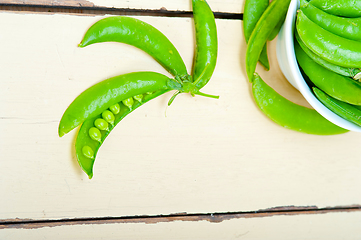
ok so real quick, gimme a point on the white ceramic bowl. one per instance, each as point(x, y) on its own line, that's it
point(288, 64)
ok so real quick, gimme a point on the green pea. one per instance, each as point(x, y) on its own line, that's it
point(95, 134)
point(88, 152)
point(108, 116)
point(128, 102)
point(139, 34)
point(139, 97)
point(349, 112)
point(340, 87)
point(270, 19)
point(253, 10)
point(348, 72)
point(344, 8)
point(115, 108)
point(331, 47)
point(345, 27)
point(288, 114)
point(101, 124)
point(206, 43)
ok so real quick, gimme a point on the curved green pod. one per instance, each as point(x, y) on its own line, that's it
point(333, 48)
point(344, 8)
point(272, 16)
point(253, 10)
point(349, 28)
point(83, 140)
point(344, 110)
point(338, 86)
point(102, 95)
point(141, 35)
point(288, 114)
point(347, 72)
point(205, 57)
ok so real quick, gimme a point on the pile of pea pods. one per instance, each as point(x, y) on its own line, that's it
point(328, 49)
point(262, 21)
point(101, 107)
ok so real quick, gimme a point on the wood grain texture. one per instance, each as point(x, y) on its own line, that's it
point(198, 156)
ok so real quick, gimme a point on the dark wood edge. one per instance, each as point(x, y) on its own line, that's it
point(210, 217)
point(95, 10)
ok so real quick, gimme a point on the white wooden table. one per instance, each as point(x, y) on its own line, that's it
point(199, 169)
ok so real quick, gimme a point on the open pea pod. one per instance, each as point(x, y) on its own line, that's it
point(87, 145)
point(102, 95)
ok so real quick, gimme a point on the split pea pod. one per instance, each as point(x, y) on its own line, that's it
point(253, 10)
point(288, 114)
point(206, 43)
point(86, 147)
point(141, 35)
point(345, 8)
point(335, 49)
point(336, 85)
point(349, 28)
point(344, 110)
point(263, 29)
point(348, 72)
point(102, 95)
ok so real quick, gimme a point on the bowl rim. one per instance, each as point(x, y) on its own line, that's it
point(293, 74)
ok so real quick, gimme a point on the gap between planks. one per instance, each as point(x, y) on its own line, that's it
point(210, 217)
point(94, 10)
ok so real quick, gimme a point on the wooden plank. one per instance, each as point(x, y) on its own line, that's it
point(231, 6)
point(200, 155)
point(331, 226)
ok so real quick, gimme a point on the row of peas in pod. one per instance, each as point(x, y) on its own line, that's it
point(104, 123)
point(328, 50)
point(98, 109)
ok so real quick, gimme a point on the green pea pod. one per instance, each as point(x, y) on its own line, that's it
point(335, 49)
point(338, 86)
point(100, 96)
point(344, 110)
point(206, 43)
point(84, 141)
point(275, 13)
point(141, 35)
point(344, 8)
point(347, 72)
point(349, 28)
point(253, 10)
point(288, 114)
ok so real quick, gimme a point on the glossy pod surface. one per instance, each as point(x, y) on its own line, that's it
point(333, 48)
point(275, 13)
point(288, 114)
point(141, 35)
point(337, 86)
point(347, 72)
point(344, 110)
point(253, 10)
point(206, 43)
point(100, 96)
point(349, 28)
point(344, 8)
